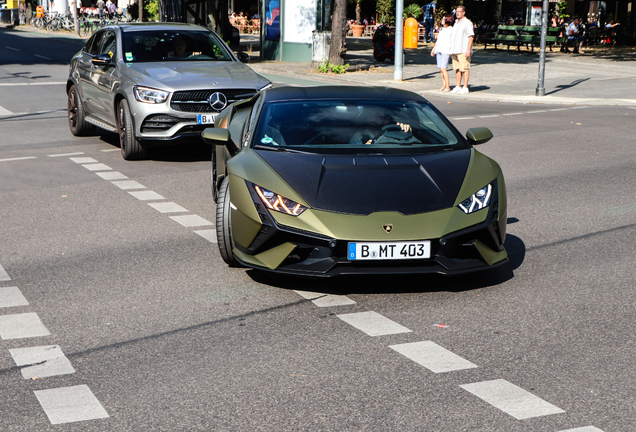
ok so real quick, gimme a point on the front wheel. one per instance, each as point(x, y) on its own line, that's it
point(131, 148)
point(224, 225)
point(76, 116)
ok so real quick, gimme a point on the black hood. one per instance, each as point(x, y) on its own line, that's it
point(364, 184)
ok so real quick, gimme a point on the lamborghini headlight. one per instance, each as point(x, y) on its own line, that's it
point(150, 95)
point(477, 201)
point(279, 203)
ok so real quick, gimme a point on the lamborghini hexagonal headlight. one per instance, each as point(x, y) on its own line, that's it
point(477, 201)
point(279, 203)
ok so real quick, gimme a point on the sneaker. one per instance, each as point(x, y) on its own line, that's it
point(463, 90)
point(456, 90)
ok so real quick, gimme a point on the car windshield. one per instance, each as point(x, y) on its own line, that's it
point(360, 126)
point(173, 45)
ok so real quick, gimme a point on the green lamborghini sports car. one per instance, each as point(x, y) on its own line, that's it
point(325, 181)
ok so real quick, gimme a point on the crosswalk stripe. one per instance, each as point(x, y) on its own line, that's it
point(373, 324)
point(167, 207)
point(511, 399)
point(433, 357)
point(4, 276)
point(111, 175)
point(583, 429)
point(46, 361)
point(128, 184)
point(70, 404)
point(83, 160)
point(97, 167)
point(332, 300)
point(146, 195)
point(190, 220)
point(19, 326)
point(209, 235)
point(12, 297)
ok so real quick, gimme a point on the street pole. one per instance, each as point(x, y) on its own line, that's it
point(544, 33)
point(399, 40)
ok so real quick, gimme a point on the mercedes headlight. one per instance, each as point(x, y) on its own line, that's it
point(150, 95)
point(477, 201)
point(279, 203)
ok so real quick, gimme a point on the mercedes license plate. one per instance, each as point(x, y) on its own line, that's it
point(389, 250)
point(206, 118)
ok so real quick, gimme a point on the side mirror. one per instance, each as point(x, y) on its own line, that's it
point(243, 56)
point(102, 60)
point(216, 136)
point(478, 135)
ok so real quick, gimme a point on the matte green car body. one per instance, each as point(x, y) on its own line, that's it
point(242, 166)
point(246, 223)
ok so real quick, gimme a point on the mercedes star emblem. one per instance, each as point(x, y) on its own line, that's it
point(217, 100)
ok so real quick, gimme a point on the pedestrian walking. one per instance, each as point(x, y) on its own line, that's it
point(442, 49)
point(462, 49)
point(429, 21)
point(100, 6)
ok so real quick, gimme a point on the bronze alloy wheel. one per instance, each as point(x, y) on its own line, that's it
point(76, 121)
point(131, 148)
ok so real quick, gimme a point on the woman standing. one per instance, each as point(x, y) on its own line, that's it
point(442, 49)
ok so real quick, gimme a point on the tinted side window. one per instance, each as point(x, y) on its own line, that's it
point(92, 47)
point(109, 45)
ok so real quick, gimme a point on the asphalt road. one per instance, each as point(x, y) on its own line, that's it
point(161, 335)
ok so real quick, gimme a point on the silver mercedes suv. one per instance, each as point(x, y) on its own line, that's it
point(155, 83)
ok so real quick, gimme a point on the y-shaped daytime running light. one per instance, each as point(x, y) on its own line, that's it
point(279, 203)
point(477, 201)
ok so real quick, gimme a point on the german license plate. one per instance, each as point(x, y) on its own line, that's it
point(389, 250)
point(206, 118)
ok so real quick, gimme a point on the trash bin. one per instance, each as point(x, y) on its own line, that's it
point(320, 41)
point(411, 27)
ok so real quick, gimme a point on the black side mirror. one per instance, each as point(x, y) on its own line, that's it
point(243, 56)
point(102, 60)
point(478, 135)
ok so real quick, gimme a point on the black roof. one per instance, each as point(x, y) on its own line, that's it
point(340, 92)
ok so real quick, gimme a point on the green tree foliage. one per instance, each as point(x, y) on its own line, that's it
point(152, 8)
point(386, 11)
point(412, 10)
point(559, 10)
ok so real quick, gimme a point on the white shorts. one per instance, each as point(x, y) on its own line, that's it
point(442, 60)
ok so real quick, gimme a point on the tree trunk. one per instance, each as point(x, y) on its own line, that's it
point(338, 49)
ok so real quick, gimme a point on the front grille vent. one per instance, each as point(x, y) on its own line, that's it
point(196, 101)
point(158, 123)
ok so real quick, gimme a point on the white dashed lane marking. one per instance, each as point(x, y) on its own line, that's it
point(18, 159)
point(373, 324)
point(209, 235)
point(433, 357)
point(70, 404)
point(325, 300)
point(511, 399)
point(583, 429)
point(42, 57)
point(110, 150)
point(111, 175)
point(12, 49)
point(67, 154)
point(190, 220)
point(167, 207)
point(128, 184)
point(147, 196)
point(4, 276)
point(83, 160)
point(12, 297)
point(97, 167)
point(46, 360)
point(20, 326)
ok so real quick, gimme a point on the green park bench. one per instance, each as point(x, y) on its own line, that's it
point(518, 35)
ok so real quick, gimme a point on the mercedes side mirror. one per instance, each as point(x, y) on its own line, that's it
point(243, 56)
point(478, 135)
point(102, 60)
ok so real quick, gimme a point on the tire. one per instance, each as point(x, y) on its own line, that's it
point(76, 122)
point(215, 191)
point(131, 148)
point(224, 225)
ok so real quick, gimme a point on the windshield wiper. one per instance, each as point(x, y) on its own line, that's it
point(279, 149)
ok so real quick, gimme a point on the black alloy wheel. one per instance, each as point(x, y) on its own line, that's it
point(131, 148)
point(224, 225)
point(76, 116)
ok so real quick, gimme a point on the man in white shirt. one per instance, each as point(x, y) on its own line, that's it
point(575, 35)
point(462, 49)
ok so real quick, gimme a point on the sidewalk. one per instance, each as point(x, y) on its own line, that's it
point(599, 77)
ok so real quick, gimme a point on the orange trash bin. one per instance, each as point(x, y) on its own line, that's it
point(411, 28)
